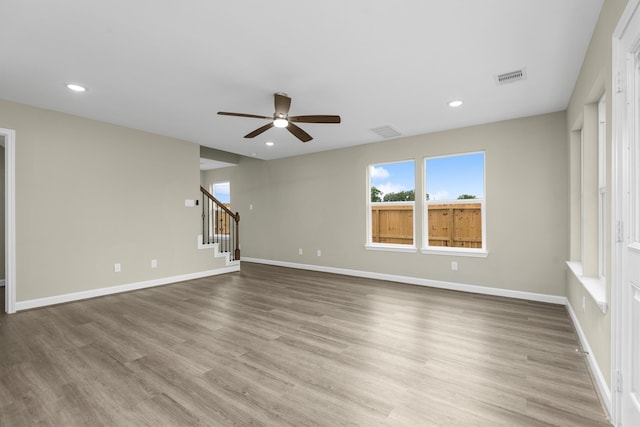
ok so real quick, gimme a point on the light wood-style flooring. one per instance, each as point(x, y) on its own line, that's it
point(282, 347)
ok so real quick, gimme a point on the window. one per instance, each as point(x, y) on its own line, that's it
point(588, 210)
point(602, 186)
point(391, 207)
point(455, 204)
point(222, 192)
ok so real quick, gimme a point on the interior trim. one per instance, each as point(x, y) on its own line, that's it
point(477, 289)
point(76, 296)
point(601, 384)
point(595, 286)
point(10, 218)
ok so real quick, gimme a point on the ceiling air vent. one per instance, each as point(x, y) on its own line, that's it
point(510, 77)
point(386, 131)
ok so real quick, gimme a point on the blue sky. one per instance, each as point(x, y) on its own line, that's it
point(447, 177)
point(222, 191)
point(393, 177)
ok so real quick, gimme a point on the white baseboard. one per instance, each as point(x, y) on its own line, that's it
point(532, 296)
point(59, 299)
point(601, 383)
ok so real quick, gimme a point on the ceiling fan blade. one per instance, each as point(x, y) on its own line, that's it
point(299, 133)
point(282, 103)
point(315, 119)
point(253, 116)
point(259, 130)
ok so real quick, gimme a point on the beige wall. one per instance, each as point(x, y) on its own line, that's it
point(318, 201)
point(594, 80)
point(90, 194)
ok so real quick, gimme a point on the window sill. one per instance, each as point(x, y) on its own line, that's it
point(595, 286)
point(390, 248)
point(477, 253)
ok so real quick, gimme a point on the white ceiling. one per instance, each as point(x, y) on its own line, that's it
point(167, 66)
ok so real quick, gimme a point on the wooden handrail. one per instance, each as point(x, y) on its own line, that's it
point(235, 216)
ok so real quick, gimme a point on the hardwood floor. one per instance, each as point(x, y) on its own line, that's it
point(275, 346)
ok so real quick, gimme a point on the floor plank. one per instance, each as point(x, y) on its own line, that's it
point(272, 346)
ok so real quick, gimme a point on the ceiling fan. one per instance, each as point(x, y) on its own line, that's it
point(281, 119)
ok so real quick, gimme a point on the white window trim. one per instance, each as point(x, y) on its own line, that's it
point(581, 194)
point(602, 187)
point(596, 287)
point(391, 247)
point(594, 284)
point(463, 252)
point(447, 250)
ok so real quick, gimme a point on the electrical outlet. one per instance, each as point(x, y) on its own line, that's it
point(319, 252)
point(117, 267)
point(454, 265)
point(154, 263)
point(300, 251)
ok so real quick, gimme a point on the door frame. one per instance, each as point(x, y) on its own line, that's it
point(619, 175)
point(10, 218)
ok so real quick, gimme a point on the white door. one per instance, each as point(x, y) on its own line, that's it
point(626, 205)
point(630, 250)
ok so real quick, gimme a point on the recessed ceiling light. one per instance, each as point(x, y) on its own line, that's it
point(76, 88)
point(269, 144)
point(455, 104)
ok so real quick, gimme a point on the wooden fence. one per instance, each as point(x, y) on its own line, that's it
point(392, 224)
point(457, 225)
point(450, 224)
point(222, 223)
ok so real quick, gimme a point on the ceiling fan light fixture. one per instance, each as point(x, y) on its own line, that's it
point(280, 123)
point(76, 88)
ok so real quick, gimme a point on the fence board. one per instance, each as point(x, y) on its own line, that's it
point(450, 224)
point(392, 224)
point(221, 226)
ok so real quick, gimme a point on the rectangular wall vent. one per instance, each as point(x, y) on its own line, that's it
point(386, 131)
point(510, 77)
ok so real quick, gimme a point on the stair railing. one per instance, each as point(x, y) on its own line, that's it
point(220, 225)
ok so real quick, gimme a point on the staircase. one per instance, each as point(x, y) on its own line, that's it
point(220, 228)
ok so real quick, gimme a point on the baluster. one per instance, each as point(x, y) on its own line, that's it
point(226, 225)
point(203, 208)
point(208, 221)
point(220, 225)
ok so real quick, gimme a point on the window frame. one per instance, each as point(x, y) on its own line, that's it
point(391, 247)
point(602, 187)
point(590, 268)
point(212, 189)
point(481, 252)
